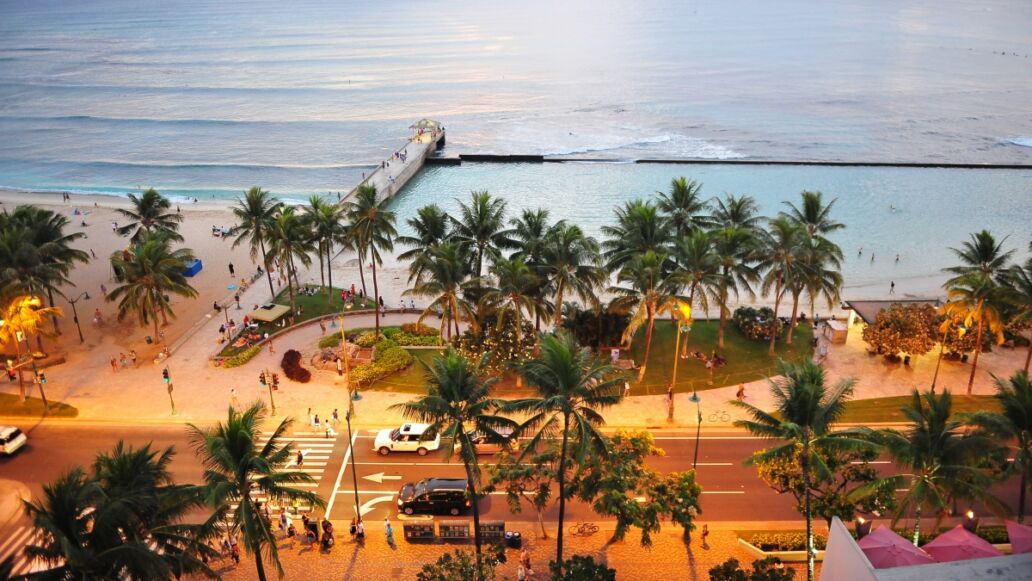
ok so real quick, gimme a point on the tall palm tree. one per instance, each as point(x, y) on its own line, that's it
point(804, 412)
point(290, 239)
point(328, 228)
point(821, 262)
point(480, 229)
point(457, 405)
point(25, 267)
point(256, 216)
point(938, 458)
point(1017, 281)
point(529, 235)
point(429, 228)
point(149, 273)
point(649, 292)
point(813, 214)
point(640, 228)
point(236, 465)
point(515, 292)
point(698, 269)
point(733, 211)
point(445, 281)
point(23, 317)
point(1012, 425)
point(372, 224)
point(570, 262)
point(150, 213)
point(977, 299)
point(779, 260)
point(981, 254)
point(684, 206)
point(572, 386)
point(734, 247)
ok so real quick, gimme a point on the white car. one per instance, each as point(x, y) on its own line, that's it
point(407, 438)
point(11, 438)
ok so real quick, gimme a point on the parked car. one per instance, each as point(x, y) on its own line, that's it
point(407, 438)
point(483, 445)
point(11, 438)
point(435, 495)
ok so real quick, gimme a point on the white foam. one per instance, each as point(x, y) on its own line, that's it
point(1022, 141)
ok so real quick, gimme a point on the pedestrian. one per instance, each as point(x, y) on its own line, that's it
point(525, 560)
point(232, 271)
point(103, 290)
point(897, 259)
point(741, 392)
point(300, 458)
point(381, 301)
point(132, 357)
point(92, 253)
point(236, 298)
point(705, 534)
point(315, 422)
point(114, 364)
point(233, 401)
point(670, 392)
point(626, 388)
point(353, 529)
point(892, 287)
point(322, 326)
point(360, 531)
point(872, 258)
point(335, 418)
point(412, 303)
point(352, 289)
point(311, 416)
point(388, 531)
point(270, 344)
point(123, 361)
point(521, 572)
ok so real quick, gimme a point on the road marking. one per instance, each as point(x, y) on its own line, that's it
point(340, 475)
point(379, 477)
point(348, 491)
point(371, 504)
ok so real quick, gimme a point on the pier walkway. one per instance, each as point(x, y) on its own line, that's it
point(394, 172)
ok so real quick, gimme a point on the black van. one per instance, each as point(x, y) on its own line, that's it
point(435, 495)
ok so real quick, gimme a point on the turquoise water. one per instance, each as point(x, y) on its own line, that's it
point(205, 98)
point(914, 212)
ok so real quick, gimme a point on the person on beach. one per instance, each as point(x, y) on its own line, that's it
point(97, 317)
point(741, 392)
point(103, 290)
point(340, 367)
point(872, 258)
point(132, 357)
point(232, 271)
point(92, 253)
point(892, 287)
point(114, 364)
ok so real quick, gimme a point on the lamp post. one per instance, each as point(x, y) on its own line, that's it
point(354, 472)
point(698, 429)
point(683, 326)
point(17, 336)
point(75, 314)
point(40, 380)
point(166, 376)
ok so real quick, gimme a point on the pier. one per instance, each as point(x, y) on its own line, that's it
point(403, 164)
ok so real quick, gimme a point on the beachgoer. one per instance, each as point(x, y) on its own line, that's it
point(340, 367)
point(92, 253)
point(232, 271)
point(741, 392)
point(897, 258)
point(103, 290)
point(872, 258)
point(300, 458)
point(132, 357)
point(626, 388)
point(335, 418)
point(114, 364)
point(892, 287)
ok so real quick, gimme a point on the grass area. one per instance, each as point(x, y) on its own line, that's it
point(747, 360)
point(413, 378)
point(887, 409)
point(12, 405)
point(312, 306)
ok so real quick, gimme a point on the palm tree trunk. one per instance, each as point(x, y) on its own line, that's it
point(795, 314)
point(648, 343)
point(361, 272)
point(917, 525)
point(322, 271)
point(807, 510)
point(774, 322)
point(290, 288)
point(476, 511)
point(265, 263)
point(1028, 358)
point(53, 318)
point(562, 493)
point(259, 565)
point(376, 299)
point(1021, 496)
point(978, 350)
point(329, 275)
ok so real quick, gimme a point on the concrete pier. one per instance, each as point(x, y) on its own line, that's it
point(403, 164)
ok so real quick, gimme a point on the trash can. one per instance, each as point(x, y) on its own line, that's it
point(513, 539)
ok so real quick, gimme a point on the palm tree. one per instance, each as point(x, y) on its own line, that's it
point(516, 291)
point(640, 228)
point(529, 235)
point(685, 206)
point(458, 404)
point(237, 468)
point(372, 225)
point(445, 280)
point(256, 216)
point(429, 228)
point(779, 260)
point(1012, 425)
point(480, 229)
point(649, 292)
point(150, 213)
point(821, 262)
point(698, 269)
point(940, 460)
point(734, 247)
point(805, 409)
point(325, 220)
point(22, 315)
point(977, 299)
point(736, 212)
point(982, 254)
point(570, 263)
point(573, 386)
point(290, 239)
point(150, 272)
point(813, 214)
point(1018, 284)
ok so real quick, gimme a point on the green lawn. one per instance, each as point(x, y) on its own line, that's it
point(412, 379)
point(314, 306)
point(746, 360)
point(12, 405)
point(887, 409)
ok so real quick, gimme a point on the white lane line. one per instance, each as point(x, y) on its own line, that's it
point(340, 475)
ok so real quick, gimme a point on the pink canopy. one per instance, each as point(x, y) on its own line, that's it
point(958, 544)
point(885, 549)
point(1020, 537)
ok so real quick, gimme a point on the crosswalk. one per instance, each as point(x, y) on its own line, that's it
point(13, 544)
point(315, 448)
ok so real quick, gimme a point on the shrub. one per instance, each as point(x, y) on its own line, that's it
point(409, 340)
point(366, 339)
point(242, 357)
point(462, 565)
point(329, 341)
point(785, 540)
point(763, 570)
point(291, 365)
point(757, 324)
point(582, 568)
point(420, 330)
point(390, 359)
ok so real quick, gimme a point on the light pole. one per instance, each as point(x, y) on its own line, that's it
point(698, 409)
point(40, 380)
point(354, 472)
point(683, 326)
point(166, 376)
point(75, 314)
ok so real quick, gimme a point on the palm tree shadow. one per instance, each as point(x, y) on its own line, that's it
point(693, 572)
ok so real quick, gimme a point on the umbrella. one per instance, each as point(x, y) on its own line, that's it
point(1020, 537)
point(425, 124)
point(885, 549)
point(959, 544)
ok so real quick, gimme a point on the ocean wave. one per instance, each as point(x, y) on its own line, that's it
point(1022, 141)
point(679, 146)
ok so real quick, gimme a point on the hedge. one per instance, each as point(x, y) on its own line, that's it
point(420, 329)
point(329, 341)
point(748, 320)
point(390, 359)
point(242, 357)
point(796, 540)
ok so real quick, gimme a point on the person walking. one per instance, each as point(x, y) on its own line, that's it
point(300, 458)
point(132, 357)
point(270, 347)
point(335, 418)
point(525, 560)
point(740, 396)
point(340, 367)
point(114, 364)
point(892, 287)
point(705, 535)
point(626, 388)
point(388, 531)
point(360, 531)
point(232, 271)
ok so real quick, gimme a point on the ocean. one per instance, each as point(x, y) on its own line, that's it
point(204, 99)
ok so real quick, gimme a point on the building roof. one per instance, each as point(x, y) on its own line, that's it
point(868, 310)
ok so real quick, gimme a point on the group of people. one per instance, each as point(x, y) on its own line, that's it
point(122, 361)
point(221, 231)
point(712, 361)
point(329, 425)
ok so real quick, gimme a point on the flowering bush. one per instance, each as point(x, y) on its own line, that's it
point(419, 329)
point(389, 359)
point(757, 324)
point(242, 357)
point(366, 339)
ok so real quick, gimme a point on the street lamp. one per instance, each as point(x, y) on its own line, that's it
point(354, 471)
point(683, 326)
point(698, 429)
point(75, 314)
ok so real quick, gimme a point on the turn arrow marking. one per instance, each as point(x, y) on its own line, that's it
point(379, 477)
point(370, 505)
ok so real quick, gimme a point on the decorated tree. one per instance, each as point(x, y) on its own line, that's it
point(910, 329)
point(503, 343)
point(829, 495)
